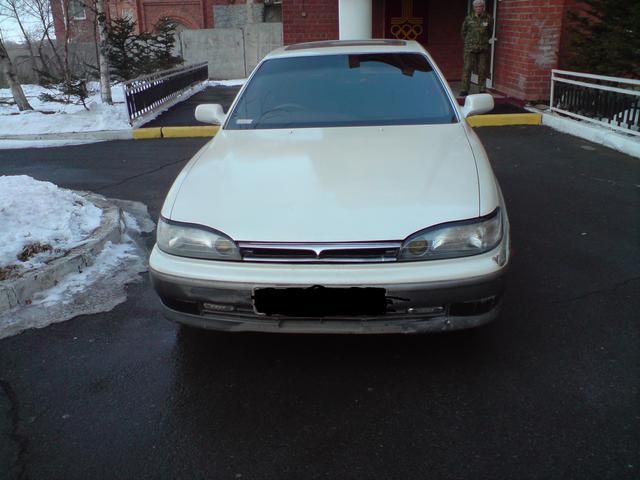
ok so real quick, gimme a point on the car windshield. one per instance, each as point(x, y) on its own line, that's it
point(343, 90)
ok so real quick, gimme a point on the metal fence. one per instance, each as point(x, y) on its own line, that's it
point(151, 92)
point(610, 101)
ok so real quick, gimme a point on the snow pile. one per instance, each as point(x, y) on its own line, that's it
point(97, 288)
point(40, 213)
point(54, 117)
point(227, 83)
point(109, 260)
point(625, 143)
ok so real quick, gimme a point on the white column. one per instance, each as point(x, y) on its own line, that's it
point(354, 19)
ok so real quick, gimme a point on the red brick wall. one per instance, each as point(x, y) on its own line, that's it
point(79, 30)
point(118, 8)
point(309, 20)
point(529, 33)
point(186, 12)
point(191, 13)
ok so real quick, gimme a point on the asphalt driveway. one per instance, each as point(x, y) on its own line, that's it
point(551, 390)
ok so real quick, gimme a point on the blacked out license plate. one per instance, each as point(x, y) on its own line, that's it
point(318, 301)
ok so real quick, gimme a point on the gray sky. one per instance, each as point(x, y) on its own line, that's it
point(10, 29)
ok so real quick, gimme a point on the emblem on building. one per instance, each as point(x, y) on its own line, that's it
point(406, 26)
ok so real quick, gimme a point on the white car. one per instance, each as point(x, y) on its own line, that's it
point(343, 193)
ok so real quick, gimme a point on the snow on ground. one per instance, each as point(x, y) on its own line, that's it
point(39, 212)
point(228, 83)
point(35, 211)
point(54, 117)
point(625, 143)
point(109, 259)
point(18, 144)
point(98, 288)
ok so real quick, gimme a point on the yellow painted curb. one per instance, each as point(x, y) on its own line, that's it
point(144, 133)
point(188, 132)
point(499, 120)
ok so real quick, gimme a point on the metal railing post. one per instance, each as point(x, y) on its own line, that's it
point(551, 104)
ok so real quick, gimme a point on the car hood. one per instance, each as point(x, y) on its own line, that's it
point(329, 184)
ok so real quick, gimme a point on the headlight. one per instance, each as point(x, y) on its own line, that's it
point(459, 239)
point(195, 242)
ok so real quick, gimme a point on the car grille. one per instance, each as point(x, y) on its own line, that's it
point(369, 252)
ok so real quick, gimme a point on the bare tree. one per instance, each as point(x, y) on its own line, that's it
point(15, 10)
point(38, 14)
point(41, 12)
point(103, 47)
point(12, 79)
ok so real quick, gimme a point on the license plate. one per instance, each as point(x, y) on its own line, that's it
point(320, 301)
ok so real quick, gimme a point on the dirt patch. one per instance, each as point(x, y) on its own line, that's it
point(8, 272)
point(33, 249)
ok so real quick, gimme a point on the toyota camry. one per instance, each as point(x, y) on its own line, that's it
point(343, 193)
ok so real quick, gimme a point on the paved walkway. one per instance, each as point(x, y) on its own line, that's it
point(182, 114)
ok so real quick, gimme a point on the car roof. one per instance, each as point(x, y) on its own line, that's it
point(336, 47)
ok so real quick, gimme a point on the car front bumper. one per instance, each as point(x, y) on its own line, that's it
point(421, 296)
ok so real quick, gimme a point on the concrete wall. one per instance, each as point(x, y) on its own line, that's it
point(259, 40)
point(223, 48)
point(236, 16)
point(231, 52)
point(81, 57)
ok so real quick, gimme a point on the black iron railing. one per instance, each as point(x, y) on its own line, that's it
point(152, 92)
point(610, 101)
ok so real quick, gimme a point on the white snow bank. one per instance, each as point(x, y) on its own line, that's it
point(628, 144)
point(40, 211)
point(98, 117)
point(108, 260)
point(19, 144)
point(33, 211)
point(98, 288)
point(228, 83)
point(54, 117)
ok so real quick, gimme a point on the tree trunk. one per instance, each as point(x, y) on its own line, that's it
point(103, 60)
point(12, 80)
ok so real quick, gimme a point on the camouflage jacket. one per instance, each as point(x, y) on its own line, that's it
point(476, 32)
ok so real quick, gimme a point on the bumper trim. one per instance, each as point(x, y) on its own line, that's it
point(341, 326)
point(403, 300)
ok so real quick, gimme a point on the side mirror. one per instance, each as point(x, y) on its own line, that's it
point(210, 113)
point(477, 104)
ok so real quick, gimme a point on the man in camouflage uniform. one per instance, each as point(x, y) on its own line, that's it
point(476, 32)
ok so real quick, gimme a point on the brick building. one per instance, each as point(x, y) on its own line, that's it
point(530, 35)
point(187, 14)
